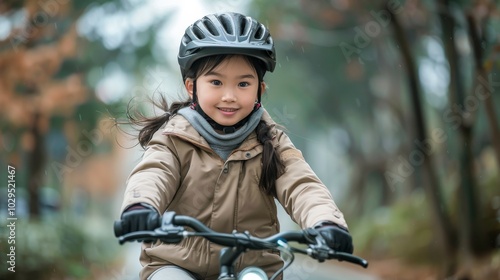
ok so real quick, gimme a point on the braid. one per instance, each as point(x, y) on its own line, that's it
point(272, 166)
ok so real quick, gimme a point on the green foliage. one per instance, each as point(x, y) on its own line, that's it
point(403, 230)
point(60, 247)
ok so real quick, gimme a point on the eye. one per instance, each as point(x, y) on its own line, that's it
point(243, 84)
point(216, 82)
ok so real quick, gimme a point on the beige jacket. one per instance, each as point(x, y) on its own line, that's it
point(180, 172)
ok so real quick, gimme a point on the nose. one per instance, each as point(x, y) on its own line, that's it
point(228, 95)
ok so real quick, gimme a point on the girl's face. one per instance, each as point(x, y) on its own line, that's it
point(227, 94)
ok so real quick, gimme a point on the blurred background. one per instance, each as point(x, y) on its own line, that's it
point(395, 104)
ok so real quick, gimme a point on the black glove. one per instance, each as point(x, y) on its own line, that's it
point(336, 237)
point(138, 217)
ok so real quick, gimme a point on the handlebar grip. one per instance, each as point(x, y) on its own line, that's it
point(350, 258)
point(118, 228)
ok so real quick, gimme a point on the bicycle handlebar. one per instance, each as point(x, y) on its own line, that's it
point(171, 231)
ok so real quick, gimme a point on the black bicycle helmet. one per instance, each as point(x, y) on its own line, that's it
point(226, 33)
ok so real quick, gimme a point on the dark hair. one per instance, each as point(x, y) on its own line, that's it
point(272, 166)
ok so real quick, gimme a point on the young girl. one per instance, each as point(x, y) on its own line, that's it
point(220, 158)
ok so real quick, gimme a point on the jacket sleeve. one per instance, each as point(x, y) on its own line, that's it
point(299, 190)
point(156, 178)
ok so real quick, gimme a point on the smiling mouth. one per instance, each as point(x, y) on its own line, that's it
point(228, 109)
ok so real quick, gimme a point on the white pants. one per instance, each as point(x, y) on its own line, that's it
point(171, 272)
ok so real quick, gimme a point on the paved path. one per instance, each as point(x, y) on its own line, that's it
point(305, 268)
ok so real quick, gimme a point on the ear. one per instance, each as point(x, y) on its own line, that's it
point(263, 88)
point(189, 84)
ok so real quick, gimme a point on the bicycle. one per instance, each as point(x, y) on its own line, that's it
point(172, 230)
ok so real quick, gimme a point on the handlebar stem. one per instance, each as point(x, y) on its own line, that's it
point(227, 258)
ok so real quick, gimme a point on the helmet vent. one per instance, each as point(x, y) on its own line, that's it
point(186, 39)
point(244, 27)
point(259, 33)
point(211, 27)
point(198, 33)
point(227, 24)
point(190, 52)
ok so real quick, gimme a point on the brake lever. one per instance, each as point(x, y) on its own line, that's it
point(319, 250)
point(317, 247)
point(173, 232)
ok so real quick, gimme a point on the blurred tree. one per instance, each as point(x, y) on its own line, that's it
point(380, 70)
point(33, 87)
point(471, 20)
point(59, 61)
point(56, 94)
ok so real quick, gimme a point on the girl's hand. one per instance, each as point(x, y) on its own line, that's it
point(336, 237)
point(139, 217)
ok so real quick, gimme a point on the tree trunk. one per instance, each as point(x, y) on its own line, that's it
point(468, 225)
point(443, 228)
point(484, 92)
point(482, 83)
point(357, 193)
point(36, 160)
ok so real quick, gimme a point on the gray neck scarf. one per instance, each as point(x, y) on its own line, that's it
point(222, 144)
